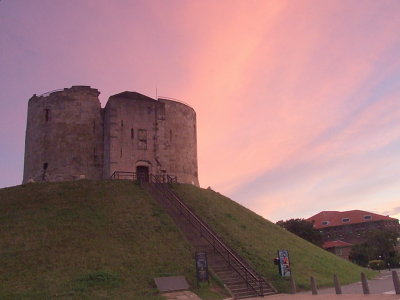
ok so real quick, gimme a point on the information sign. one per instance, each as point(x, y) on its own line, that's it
point(201, 266)
point(284, 263)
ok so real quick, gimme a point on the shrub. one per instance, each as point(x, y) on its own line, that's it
point(377, 264)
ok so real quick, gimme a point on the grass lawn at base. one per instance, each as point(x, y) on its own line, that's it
point(87, 240)
point(258, 240)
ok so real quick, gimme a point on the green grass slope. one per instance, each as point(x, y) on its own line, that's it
point(258, 240)
point(86, 240)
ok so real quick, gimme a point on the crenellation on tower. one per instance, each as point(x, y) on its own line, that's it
point(69, 136)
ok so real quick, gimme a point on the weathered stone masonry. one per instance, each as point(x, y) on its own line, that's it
point(69, 136)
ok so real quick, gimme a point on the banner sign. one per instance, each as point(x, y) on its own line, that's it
point(201, 266)
point(284, 263)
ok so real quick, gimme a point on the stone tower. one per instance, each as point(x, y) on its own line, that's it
point(64, 136)
point(69, 136)
point(154, 136)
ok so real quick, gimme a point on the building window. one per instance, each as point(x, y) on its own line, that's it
point(367, 217)
point(132, 133)
point(47, 114)
point(142, 139)
point(338, 251)
point(45, 166)
point(345, 220)
point(325, 222)
point(122, 123)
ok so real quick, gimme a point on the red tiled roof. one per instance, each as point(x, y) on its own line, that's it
point(335, 218)
point(332, 244)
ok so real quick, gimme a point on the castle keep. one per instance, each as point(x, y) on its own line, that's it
point(69, 136)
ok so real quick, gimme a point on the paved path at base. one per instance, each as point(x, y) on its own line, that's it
point(381, 288)
point(328, 297)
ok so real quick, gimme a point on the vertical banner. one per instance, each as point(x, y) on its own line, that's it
point(201, 266)
point(284, 263)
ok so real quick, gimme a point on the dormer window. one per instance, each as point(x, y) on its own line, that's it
point(368, 217)
point(325, 222)
point(346, 220)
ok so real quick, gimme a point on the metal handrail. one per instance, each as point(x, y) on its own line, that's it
point(124, 175)
point(49, 93)
point(244, 271)
point(175, 100)
point(164, 178)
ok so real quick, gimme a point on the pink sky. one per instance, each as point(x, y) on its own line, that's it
point(298, 102)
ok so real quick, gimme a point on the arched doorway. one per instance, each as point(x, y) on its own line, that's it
point(142, 173)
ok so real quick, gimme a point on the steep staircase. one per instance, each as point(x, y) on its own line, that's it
point(236, 274)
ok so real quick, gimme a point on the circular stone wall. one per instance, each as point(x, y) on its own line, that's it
point(64, 136)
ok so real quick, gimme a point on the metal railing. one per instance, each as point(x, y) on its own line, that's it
point(124, 175)
point(162, 178)
point(49, 93)
point(252, 279)
point(175, 100)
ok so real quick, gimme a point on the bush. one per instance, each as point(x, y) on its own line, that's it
point(394, 260)
point(377, 264)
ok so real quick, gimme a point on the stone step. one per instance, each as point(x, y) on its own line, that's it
point(223, 271)
point(230, 278)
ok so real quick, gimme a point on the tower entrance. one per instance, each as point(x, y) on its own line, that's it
point(142, 173)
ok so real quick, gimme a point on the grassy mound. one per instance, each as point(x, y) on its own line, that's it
point(86, 240)
point(109, 239)
point(258, 240)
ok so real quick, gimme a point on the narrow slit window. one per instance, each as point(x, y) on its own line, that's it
point(121, 153)
point(47, 114)
point(142, 139)
point(132, 133)
point(122, 123)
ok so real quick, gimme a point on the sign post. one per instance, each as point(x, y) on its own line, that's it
point(201, 267)
point(284, 263)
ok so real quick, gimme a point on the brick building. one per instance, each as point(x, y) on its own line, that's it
point(340, 230)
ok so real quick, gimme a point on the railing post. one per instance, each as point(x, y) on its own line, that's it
point(261, 287)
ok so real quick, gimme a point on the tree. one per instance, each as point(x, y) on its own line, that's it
point(359, 254)
point(303, 229)
point(379, 244)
